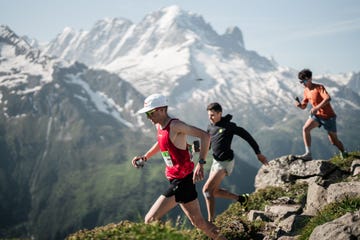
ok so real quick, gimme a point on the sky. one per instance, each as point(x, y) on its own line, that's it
point(323, 35)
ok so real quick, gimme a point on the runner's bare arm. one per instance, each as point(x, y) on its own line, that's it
point(188, 130)
point(323, 103)
point(151, 152)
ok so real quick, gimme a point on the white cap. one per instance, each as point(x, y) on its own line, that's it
point(153, 101)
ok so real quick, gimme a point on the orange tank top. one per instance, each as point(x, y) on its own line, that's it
point(315, 96)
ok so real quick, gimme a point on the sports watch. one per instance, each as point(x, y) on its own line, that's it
point(201, 161)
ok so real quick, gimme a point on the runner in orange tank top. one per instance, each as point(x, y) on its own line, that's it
point(321, 114)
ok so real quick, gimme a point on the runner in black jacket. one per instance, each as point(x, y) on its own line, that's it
point(222, 131)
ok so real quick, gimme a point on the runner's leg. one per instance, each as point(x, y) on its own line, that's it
point(193, 212)
point(212, 189)
point(161, 206)
point(212, 183)
point(308, 126)
point(335, 141)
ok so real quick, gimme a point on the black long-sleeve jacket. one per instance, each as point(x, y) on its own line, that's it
point(222, 134)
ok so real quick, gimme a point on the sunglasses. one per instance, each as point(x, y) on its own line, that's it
point(304, 81)
point(149, 113)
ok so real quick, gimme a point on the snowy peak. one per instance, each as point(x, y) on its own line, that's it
point(108, 30)
point(178, 53)
point(171, 17)
point(171, 10)
point(7, 36)
point(235, 36)
point(22, 67)
point(111, 25)
point(167, 45)
point(186, 26)
point(90, 47)
point(112, 38)
point(66, 37)
point(166, 28)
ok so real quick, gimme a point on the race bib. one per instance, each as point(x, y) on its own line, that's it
point(167, 158)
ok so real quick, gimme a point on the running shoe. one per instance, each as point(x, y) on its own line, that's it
point(344, 154)
point(243, 199)
point(305, 157)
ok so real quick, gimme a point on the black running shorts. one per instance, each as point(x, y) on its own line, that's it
point(183, 189)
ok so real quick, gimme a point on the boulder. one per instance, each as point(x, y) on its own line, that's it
point(259, 215)
point(315, 199)
point(346, 227)
point(293, 223)
point(282, 211)
point(287, 169)
point(338, 191)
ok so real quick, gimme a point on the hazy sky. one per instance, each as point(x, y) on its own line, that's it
point(323, 35)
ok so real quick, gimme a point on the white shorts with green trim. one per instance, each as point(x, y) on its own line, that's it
point(219, 165)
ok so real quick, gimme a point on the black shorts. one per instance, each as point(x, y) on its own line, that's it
point(183, 189)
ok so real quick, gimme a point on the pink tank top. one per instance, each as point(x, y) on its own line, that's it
point(178, 163)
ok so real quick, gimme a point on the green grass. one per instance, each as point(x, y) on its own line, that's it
point(133, 231)
point(345, 164)
point(263, 197)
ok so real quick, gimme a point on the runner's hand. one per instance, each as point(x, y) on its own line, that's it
point(133, 161)
point(314, 110)
point(198, 173)
point(262, 159)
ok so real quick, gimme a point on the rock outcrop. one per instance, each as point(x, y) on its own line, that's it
point(327, 184)
point(345, 227)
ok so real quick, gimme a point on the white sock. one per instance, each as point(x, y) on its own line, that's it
point(307, 150)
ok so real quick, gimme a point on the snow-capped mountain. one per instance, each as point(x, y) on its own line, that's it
point(19, 60)
point(176, 52)
point(91, 46)
point(167, 51)
point(25, 71)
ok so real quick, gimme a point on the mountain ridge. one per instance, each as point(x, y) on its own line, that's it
point(201, 54)
point(169, 31)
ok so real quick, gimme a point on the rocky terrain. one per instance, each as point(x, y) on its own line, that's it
point(326, 183)
point(294, 200)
